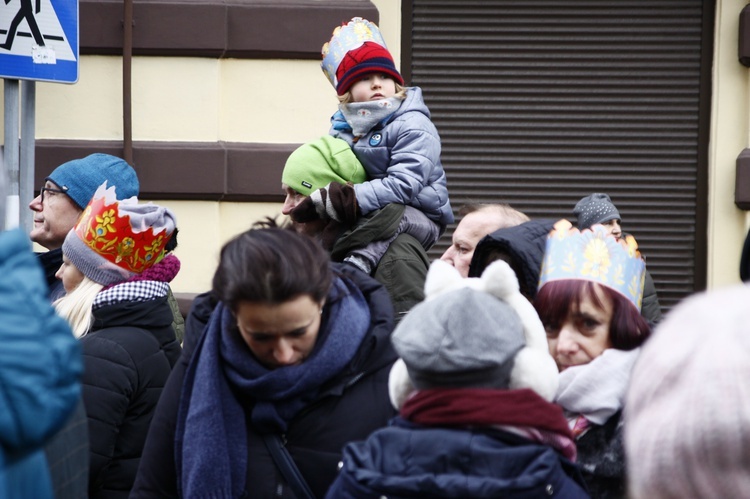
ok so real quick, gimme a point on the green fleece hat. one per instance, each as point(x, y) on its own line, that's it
point(320, 162)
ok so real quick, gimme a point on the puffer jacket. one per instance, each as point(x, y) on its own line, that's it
point(128, 356)
point(408, 460)
point(351, 405)
point(40, 368)
point(402, 159)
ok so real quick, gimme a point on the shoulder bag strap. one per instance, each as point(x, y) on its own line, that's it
point(287, 466)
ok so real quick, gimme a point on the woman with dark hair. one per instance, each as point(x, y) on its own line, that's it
point(292, 365)
point(591, 288)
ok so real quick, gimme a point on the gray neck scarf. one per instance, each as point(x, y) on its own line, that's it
point(363, 116)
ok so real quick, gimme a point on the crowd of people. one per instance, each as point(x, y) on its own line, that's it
point(331, 358)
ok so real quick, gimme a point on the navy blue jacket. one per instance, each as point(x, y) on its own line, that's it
point(407, 460)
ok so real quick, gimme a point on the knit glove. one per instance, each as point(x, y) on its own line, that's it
point(334, 201)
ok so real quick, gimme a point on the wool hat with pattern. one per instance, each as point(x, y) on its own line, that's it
point(595, 208)
point(80, 178)
point(687, 412)
point(370, 57)
point(318, 163)
point(116, 240)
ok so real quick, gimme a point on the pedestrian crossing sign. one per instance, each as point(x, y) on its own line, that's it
point(39, 40)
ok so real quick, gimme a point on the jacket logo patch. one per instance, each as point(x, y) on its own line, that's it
point(375, 139)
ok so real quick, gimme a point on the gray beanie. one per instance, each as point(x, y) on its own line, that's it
point(595, 208)
point(463, 338)
point(115, 240)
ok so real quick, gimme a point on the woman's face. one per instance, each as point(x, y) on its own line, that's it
point(584, 333)
point(69, 275)
point(281, 334)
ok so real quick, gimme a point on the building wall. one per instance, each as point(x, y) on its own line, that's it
point(727, 225)
point(204, 99)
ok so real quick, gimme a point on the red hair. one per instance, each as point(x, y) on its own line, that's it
point(554, 302)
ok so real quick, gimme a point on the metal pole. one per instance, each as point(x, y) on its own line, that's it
point(3, 191)
point(28, 141)
point(11, 150)
point(127, 65)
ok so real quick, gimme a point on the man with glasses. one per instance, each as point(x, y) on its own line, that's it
point(60, 202)
point(62, 198)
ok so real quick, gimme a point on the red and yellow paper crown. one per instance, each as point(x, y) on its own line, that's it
point(594, 255)
point(105, 227)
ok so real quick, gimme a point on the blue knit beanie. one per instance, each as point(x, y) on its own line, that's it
point(80, 178)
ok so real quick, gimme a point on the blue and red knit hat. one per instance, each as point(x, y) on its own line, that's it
point(367, 59)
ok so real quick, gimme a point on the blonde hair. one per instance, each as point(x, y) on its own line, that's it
point(346, 98)
point(75, 307)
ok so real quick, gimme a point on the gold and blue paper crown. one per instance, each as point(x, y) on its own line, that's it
point(345, 38)
point(594, 255)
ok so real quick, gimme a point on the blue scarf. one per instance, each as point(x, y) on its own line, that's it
point(211, 435)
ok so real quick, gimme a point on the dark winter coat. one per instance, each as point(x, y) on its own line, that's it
point(407, 460)
point(524, 244)
point(128, 355)
point(402, 160)
point(51, 262)
point(350, 407)
point(601, 457)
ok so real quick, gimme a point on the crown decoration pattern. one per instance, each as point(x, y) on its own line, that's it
point(112, 236)
point(594, 255)
point(346, 37)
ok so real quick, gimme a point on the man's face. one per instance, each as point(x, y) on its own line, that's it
point(53, 217)
point(293, 198)
point(470, 230)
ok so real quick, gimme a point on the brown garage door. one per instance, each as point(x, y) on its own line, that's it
point(539, 103)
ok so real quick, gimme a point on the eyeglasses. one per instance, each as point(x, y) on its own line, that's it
point(51, 190)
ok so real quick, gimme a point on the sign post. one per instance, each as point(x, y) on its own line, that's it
point(38, 42)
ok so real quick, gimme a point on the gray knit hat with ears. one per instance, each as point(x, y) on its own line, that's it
point(595, 208)
point(461, 339)
point(471, 333)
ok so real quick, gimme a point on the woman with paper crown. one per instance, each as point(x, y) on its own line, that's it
point(116, 303)
point(389, 129)
point(589, 300)
point(293, 365)
point(474, 385)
